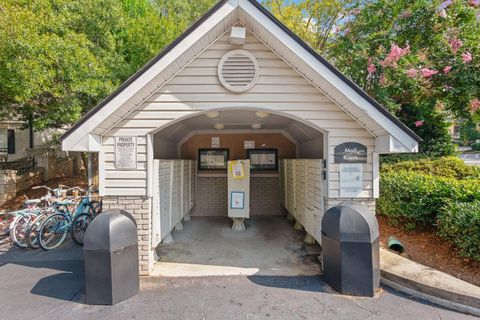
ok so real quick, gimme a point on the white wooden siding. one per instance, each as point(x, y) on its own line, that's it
point(196, 89)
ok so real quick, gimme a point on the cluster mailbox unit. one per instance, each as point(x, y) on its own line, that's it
point(175, 197)
point(302, 193)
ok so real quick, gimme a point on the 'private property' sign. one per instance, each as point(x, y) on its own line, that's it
point(126, 153)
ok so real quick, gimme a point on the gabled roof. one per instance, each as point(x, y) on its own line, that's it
point(225, 7)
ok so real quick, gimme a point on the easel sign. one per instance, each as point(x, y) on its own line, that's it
point(126, 153)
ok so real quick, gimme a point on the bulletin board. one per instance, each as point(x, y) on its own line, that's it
point(263, 159)
point(212, 159)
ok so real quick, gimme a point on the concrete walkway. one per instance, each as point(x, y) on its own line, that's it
point(209, 247)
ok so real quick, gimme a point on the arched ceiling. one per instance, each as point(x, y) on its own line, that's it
point(235, 120)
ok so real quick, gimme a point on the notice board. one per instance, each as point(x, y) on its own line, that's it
point(126, 153)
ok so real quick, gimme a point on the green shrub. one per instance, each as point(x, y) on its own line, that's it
point(476, 146)
point(400, 157)
point(416, 198)
point(448, 167)
point(460, 223)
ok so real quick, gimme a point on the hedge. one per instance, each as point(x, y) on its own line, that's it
point(460, 223)
point(448, 167)
point(417, 198)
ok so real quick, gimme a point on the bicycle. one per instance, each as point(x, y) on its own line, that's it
point(50, 198)
point(18, 229)
point(55, 228)
point(23, 219)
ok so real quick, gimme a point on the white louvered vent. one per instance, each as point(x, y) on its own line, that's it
point(238, 71)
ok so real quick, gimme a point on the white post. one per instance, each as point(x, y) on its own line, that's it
point(90, 169)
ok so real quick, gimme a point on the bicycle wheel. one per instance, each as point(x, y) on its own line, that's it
point(33, 232)
point(79, 226)
point(53, 231)
point(19, 230)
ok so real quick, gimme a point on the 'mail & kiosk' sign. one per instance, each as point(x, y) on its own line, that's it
point(350, 152)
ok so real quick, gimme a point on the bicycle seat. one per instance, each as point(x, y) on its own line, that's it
point(32, 202)
point(65, 203)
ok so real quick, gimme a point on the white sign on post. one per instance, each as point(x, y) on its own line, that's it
point(249, 144)
point(126, 153)
point(351, 180)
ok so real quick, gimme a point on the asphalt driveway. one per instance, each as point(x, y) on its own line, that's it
point(49, 285)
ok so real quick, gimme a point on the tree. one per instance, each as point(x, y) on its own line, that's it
point(48, 69)
point(59, 58)
point(420, 58)
point(313, 21)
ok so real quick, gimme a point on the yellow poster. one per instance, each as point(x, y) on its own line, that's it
point(237, 170)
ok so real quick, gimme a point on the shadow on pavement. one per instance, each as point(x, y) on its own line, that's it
point(313, 283)
point(60, 272)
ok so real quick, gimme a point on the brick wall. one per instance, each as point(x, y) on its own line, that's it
point(12, 182)
point(55, 167)
point(265, 196)
point(212, 196)
point(7, 185)
point(139, 207)
point(27, 180)
point(64, 167)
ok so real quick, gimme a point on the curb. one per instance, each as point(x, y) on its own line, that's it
point(432, 299)
point(426, 283)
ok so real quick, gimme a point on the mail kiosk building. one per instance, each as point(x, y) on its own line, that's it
point(237, 85)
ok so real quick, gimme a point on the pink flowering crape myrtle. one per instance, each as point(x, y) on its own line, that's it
point(475, 105)
point(394, 55)
point(419, 123)
point(467, 57)
point(455, 44)
point(427, 73)
point(412, 72)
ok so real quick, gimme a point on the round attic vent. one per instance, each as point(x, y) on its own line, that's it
point(238, 71)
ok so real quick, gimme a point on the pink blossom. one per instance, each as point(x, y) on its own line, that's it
point(371, 67)
point(419, 123)
point(455, 44)
point(442, 13)
point(412, 72)
point(346, 31)
point(394, 55)
point(474, 3)
point(467, 57)
point(475, 105)
point(447, 69)
point(427, 73)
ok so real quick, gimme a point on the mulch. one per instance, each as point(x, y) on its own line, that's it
point(427, 248)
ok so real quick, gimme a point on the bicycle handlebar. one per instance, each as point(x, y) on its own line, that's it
point(43, 187)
